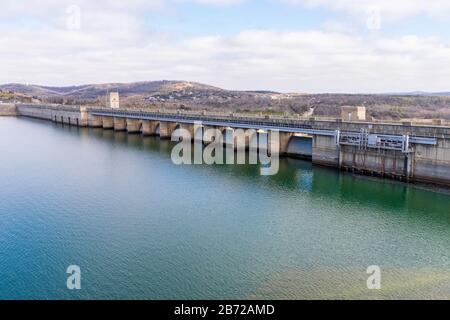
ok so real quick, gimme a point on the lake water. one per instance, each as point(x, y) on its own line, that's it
point(141, 227)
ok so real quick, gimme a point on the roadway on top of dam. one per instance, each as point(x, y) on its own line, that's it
point(245, 123)
point(213, 121)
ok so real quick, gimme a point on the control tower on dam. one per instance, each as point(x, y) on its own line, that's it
point(404, 151)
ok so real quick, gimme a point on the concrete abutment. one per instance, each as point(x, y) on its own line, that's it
point(166, 129)
point(120, 124)
point(149, 127)
point(134, 125)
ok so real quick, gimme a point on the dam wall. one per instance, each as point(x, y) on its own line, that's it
point(432, 163)
point(73, 115)
point(8, 109)
point(400, 151)
point(423, 163)
point(389, 163)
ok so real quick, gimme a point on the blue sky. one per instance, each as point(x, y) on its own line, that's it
point(284, 45)
point(197, 19)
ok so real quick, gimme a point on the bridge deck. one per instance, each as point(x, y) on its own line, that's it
point(247, 123)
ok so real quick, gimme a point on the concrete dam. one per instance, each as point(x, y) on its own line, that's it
point(402, 151)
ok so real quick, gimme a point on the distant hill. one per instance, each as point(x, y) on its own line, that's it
point(421, 93)
point(164, 93)
point(92, 91)
point(186, 95)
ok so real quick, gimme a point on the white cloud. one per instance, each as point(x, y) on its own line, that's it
point(291, 61)
point(213, 2)
point(117, 45)
point(50, 8)
point(391, 10)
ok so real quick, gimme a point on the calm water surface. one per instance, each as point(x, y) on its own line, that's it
point(141, 227)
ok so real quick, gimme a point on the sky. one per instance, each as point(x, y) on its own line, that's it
point(311, 46)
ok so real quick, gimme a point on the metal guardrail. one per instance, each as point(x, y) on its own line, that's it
point(365, 140)
point(59, 107)
point(270, 124)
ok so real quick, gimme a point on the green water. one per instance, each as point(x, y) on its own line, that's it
point(141, 227)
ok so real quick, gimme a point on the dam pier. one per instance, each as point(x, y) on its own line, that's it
point(404, 151)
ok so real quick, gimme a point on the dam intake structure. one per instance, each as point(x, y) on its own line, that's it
point(402, 151)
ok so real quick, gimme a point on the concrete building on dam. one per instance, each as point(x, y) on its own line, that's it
point(114, 100)
point(353, 113)
point(404, 151)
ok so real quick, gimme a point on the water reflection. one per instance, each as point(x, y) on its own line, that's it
point(295, 174)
